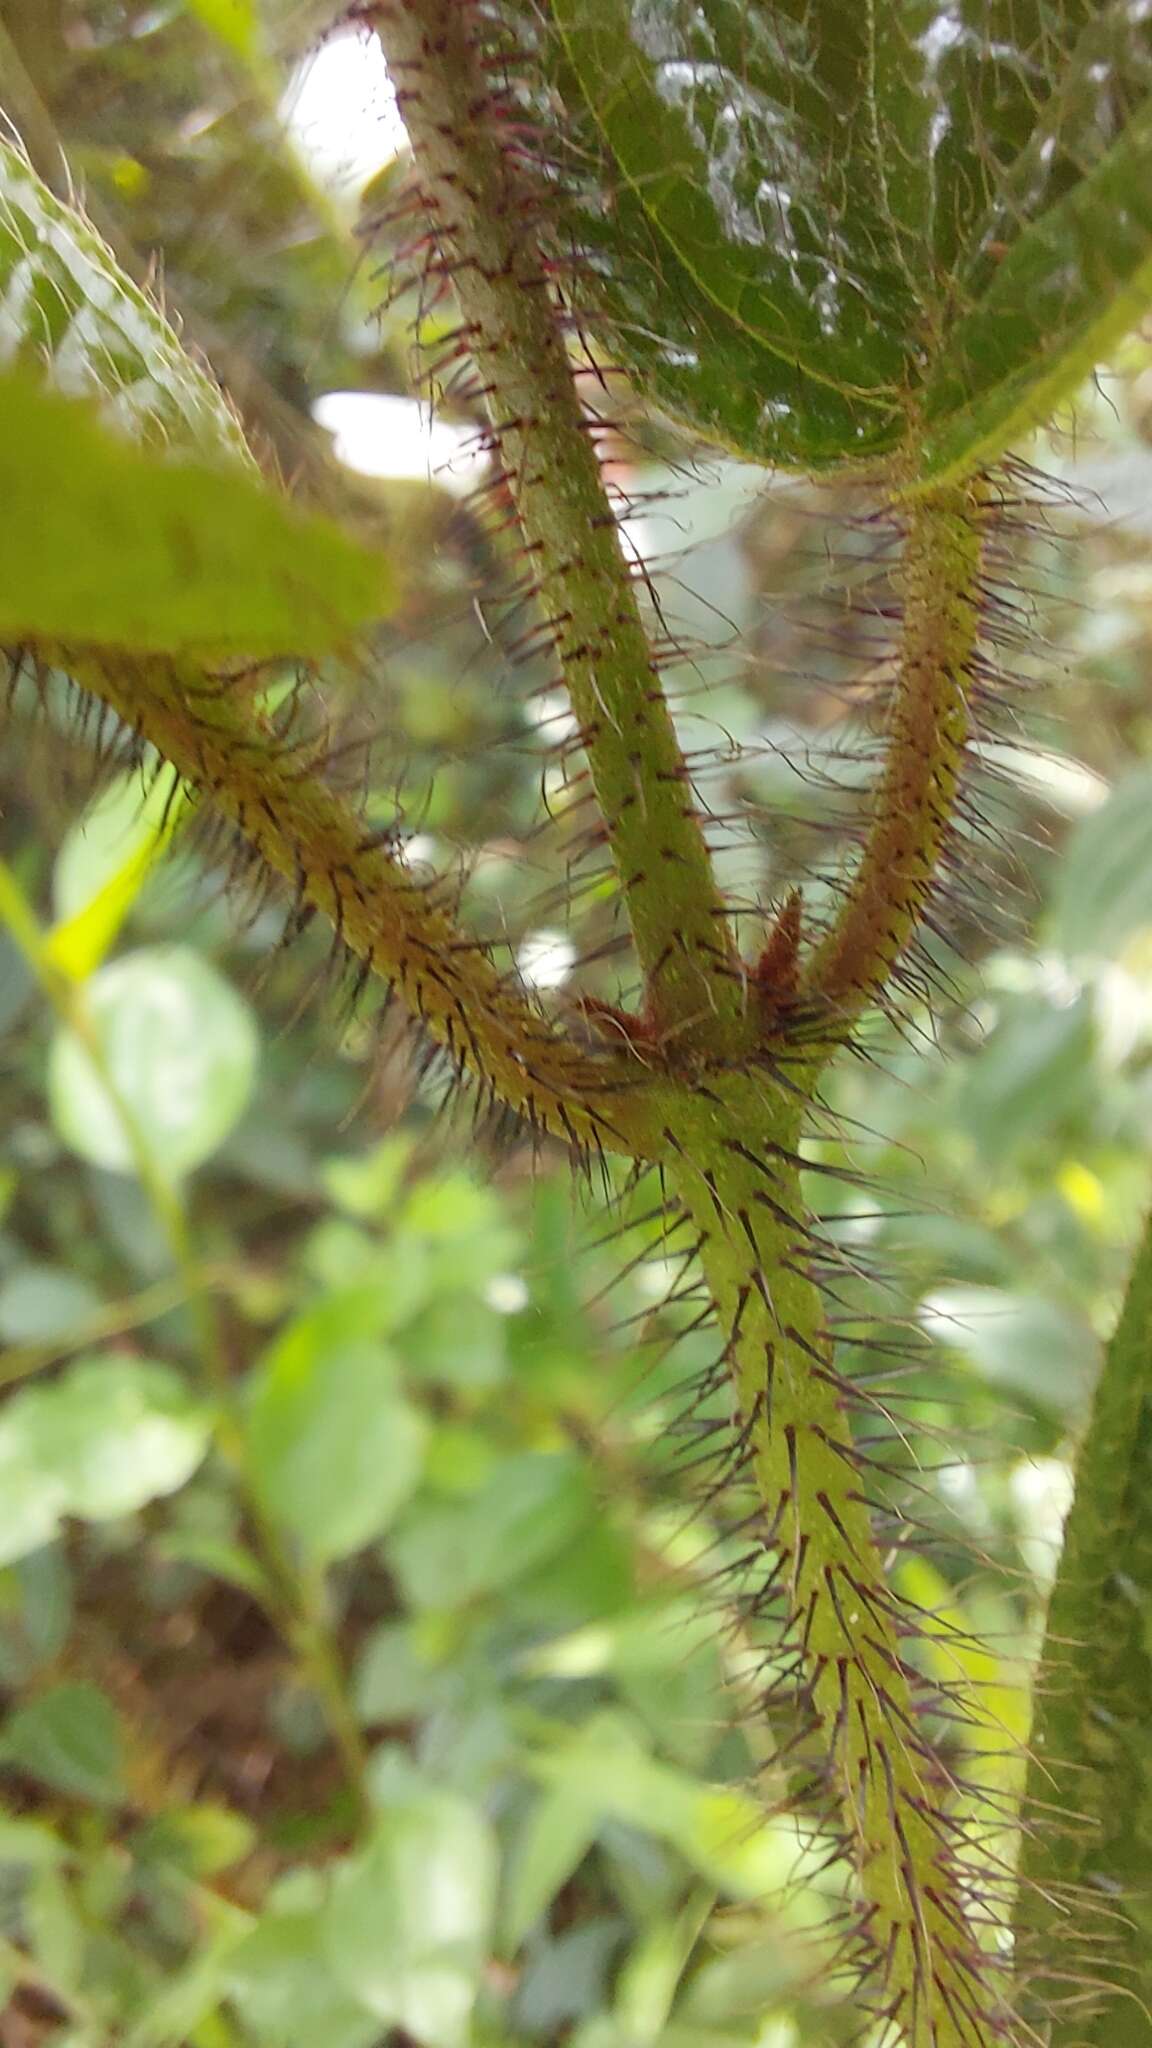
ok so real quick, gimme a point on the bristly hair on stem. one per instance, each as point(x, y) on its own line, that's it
point(726, 1085)
point(714, 1078)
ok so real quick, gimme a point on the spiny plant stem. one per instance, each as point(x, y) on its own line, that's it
point(482, 211)
point(276, 799)
point(737, 1169)
point(939, 587)
point(1083, 1922)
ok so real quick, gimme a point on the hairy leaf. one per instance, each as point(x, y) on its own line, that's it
point(816, 232)
point(67, 307)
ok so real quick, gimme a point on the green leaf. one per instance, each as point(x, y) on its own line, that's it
point(334, 1447)
point(188, 1995)
point(39, 1304)
point(368, 1184)
point(278, 1979)
point(751, 283)
point(221, 1560)
point(104, 863)
point(394, 1680)
point(66, 304)
point(103, 1439)
point(719, 1830)
point(1049, 290)
point(70, 1738)
point(552, 1843)
point(447, 1553)
point(458, 1342)
point(56, 1933)
point(118, 1431)
point(408, 1923)
point(1089, 1784)
point(201, 1840)
point(816, 233)
point(108, 545)
point(180, 1049)
point(1021, 1342)
point(235, 22)
point(1102, 893)
point(26, 1843)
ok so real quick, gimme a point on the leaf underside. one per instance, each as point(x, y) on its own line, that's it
point(817, 234)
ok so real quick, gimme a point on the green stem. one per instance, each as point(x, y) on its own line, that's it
point(737, 1169)
point(928, 726)
point(1084, 1926)
point(483, 212)
point(277, 801)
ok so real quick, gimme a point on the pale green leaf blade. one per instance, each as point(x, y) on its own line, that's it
point(335, 1449)
point(1102, 893)
point(105, 862)
point(69, 1737)
point(179, 1048)
point(235, 22)
point(117, 1432)
point(408, 1923)
point(69, 310)
point(107, 545)
point(102, 1440)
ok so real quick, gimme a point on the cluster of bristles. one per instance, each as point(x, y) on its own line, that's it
point(758, 1550)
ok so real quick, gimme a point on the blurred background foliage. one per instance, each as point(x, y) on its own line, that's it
point(364, 1674)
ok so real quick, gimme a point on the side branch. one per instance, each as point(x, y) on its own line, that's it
point(482, 210)
point(276, 800)
point(928, 732)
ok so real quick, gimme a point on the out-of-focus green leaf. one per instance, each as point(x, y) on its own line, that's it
point(202, 1840)
point(367, 1184)
point(1020, 1342)
point(393, 1680)
point(40, 1303)
point(104, 863)
point(1035, 1073)
point(180, 1049)
point(68, 307)
point(70, 1738)
point(283, 1989)
point(407, 1925)
point(56, 1932)
point(188, 1997)
point(1102, 896)
point(335, 1448)
point(556, 1836)
point(221, 1560)
point(467, 1229)
point(721, 1831)
point(235, 22)
point(458, 1342)
point(382, 1283)
point(448, 1552)
point(108, 545)
point(106, 1437)
point(26, 1843)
